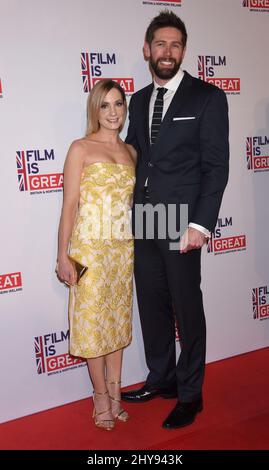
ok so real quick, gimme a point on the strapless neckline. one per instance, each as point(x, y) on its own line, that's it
point(108, 163)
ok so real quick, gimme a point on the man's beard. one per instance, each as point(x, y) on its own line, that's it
point(164, 74)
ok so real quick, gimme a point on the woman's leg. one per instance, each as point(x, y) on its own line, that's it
point(113, 379)
point(102, 407)
point(113, 366)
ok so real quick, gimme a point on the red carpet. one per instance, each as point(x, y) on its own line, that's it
point(235, 416)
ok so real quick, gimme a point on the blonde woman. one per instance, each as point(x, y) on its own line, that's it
point(99, 177)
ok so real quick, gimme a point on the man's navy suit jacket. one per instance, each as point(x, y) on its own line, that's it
point(188, 164)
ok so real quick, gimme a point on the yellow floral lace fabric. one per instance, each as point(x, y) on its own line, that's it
point(100, 306)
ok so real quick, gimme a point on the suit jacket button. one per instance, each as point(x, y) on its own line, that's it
point(150, 164)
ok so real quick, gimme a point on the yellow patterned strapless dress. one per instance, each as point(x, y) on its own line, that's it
point(100, 306)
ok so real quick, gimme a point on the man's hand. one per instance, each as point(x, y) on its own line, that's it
point(192, 239)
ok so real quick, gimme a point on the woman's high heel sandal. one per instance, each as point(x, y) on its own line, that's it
point(107, 424)
point(117, 412)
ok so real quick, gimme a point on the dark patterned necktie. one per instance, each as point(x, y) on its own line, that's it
point(157, 114)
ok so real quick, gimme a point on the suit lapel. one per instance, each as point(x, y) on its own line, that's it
point(145, 114)
point(180, 98)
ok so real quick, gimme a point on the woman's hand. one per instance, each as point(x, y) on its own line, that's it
point(66, 271)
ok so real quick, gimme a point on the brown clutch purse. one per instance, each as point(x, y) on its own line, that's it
point(79, 268)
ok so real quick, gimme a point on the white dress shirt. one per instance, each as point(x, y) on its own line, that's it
point(171, 86)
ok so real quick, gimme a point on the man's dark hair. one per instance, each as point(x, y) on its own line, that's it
point(166, 19)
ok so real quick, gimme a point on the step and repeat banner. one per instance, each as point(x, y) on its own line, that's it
point(51, 54)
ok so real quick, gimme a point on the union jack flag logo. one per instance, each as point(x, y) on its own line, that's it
point(209, 246)
point(201, 67)
point(249, 149)
point(85, 70)
point(21, 170)
point(177, 331)
point(39, 354)
point(255, 303)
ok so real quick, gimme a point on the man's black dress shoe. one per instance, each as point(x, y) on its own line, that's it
point(147, 393)
point(183, 414)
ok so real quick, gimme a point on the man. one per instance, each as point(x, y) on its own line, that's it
point(181, 135)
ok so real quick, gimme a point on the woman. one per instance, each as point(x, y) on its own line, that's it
point(99, 177)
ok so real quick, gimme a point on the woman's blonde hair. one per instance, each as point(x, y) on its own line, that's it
point(95, 99)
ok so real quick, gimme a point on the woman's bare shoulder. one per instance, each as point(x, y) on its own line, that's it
point(76, 154)
point(80, 148)
point(80, 144)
